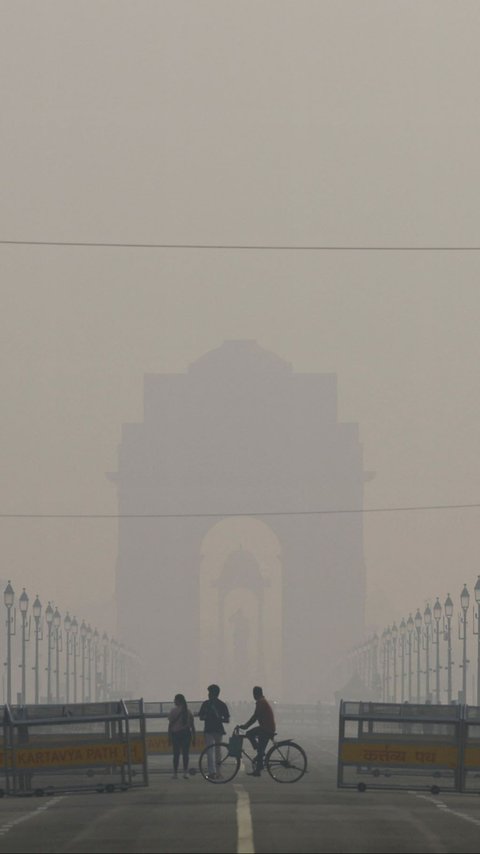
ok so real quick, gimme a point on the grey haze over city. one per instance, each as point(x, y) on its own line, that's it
point(203, 128)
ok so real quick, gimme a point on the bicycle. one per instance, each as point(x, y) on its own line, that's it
point(285, 761)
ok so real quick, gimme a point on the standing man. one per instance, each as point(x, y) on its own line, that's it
point(214, 713)
point(260, 735)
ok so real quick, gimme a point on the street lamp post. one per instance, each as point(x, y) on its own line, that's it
point(113, 667)
point(83, 635)
point(74, 631)
point(49, 621)
point(464, 602)
point(37, 613)
point(96, 637)
point(403, 632)
point(89, 661)
point(448, 611)
point(67, 625)
point(427, 619)
point(57, 621)
point(476, 591)
point(105, 665)
point(437, 613)
point(123, 668)
point(388, 639)
point(23, 605)
point(375, 673)
point(9, 599)
point(410, 627)
point(394, 641)
point(384, 667)
point(418, 627)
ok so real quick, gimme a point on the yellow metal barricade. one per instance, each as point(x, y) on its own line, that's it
point(400, 745)
point(51, 748)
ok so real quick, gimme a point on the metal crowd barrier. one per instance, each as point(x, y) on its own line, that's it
point(52, 748)
point(409, 746)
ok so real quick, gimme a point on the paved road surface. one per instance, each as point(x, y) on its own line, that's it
point(250, 815)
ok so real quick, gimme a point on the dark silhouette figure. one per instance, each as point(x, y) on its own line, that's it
point(214, 713)
point(260, 735)
point(181, 733)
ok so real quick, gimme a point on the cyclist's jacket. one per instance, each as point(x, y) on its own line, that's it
point(264, 715)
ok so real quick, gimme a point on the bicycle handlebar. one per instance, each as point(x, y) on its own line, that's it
point(236, 730)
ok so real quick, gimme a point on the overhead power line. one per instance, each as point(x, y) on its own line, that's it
point(251, 247)
point(326, 512)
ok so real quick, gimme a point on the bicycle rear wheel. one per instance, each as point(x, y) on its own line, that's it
point(226, 765)
point(286, 762)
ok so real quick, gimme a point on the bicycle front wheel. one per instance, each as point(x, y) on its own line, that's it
point(217, 765)
point(286, 762)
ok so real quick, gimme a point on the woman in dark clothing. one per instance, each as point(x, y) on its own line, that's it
point(181, 733)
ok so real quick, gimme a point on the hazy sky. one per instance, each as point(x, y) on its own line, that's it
point(324, 123)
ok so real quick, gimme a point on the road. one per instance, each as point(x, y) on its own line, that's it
point(249, 815)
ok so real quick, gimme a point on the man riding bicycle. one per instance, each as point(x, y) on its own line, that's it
point(260, 735)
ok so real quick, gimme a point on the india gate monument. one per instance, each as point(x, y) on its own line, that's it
point(231, 567)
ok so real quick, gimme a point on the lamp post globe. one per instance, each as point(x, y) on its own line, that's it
point(23, 602)
point(9, 595)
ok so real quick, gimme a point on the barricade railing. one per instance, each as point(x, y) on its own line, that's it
point(409, 746)
point(51, 748)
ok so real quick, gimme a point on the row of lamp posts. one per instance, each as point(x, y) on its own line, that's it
point(80, 642)
point(408, 640)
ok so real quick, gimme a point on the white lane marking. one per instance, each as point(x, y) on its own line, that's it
point(244, 822)
point(440, 805)
point(5, 828)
